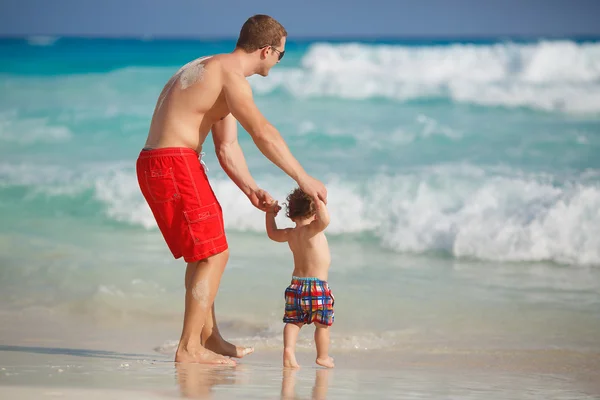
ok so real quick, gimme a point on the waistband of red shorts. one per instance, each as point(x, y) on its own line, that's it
point(168, 151)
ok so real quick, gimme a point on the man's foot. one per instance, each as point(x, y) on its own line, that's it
point(325, 362)
point(223, 347)
point(201, 356)
point(289, 359)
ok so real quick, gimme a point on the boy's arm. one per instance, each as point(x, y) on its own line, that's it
point(274, 233)
point(322, 219)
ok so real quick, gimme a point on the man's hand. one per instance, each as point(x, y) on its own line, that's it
point(314, 188)
point(260, 199)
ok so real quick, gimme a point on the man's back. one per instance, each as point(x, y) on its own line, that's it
point(190, 103)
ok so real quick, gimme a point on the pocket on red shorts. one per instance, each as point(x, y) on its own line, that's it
point(205, 223)
point(160, 183)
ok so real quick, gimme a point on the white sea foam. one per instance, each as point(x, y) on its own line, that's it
point(549, 75)
point(463, 210)
point(31, 130)
point(561, 76)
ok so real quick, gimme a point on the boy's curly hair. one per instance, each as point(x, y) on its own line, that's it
point(299, 205)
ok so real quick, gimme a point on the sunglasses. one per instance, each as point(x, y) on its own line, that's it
point(281, 53)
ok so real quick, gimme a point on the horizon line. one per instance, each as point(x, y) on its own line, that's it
point(307, 37)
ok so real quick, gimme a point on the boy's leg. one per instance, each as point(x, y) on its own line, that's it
point(322, 344)
point(201, 289)
point(290, 335)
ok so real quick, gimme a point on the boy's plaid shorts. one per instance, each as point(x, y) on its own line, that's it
point(308, 300)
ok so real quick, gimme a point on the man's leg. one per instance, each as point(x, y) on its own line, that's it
point(212, 339)
point(202, 280)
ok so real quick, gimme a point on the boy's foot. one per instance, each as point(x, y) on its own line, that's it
point(325, 362)
point(223, 347)
point(202, 356)
point(289, 359)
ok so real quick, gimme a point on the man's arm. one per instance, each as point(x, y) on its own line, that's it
point(238, 95)
point(275, 234)
point(230, 154)
point(233, 162)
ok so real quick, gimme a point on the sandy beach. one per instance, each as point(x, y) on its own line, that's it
point(46, 356)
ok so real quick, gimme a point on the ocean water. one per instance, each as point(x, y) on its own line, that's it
point(463, 179)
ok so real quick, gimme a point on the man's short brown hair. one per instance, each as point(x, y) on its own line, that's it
point(260, 31)
point(300, 205)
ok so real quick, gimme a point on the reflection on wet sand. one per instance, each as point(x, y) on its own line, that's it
point(196, 381)
point(319, 390)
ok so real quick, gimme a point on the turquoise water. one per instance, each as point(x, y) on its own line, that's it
point(463, 179)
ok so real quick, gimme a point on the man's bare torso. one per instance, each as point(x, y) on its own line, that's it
point(190, 103)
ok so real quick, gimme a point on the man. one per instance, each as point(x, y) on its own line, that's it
point(210, 94)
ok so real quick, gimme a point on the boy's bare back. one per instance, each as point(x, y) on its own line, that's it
point(306, 240)
point(311, 251)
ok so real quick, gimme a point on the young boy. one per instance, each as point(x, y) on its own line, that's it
point(308, 299)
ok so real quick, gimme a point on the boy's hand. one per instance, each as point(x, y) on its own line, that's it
point(273, 207)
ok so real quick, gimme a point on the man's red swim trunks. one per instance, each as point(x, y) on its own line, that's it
point(175, 185)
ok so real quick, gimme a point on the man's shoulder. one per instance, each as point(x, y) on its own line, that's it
point(228, 64)
point(233, 78)
point(217, 60)
point(219, 68)
point(209, 62)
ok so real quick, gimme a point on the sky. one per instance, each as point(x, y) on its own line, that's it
point(302, 18)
